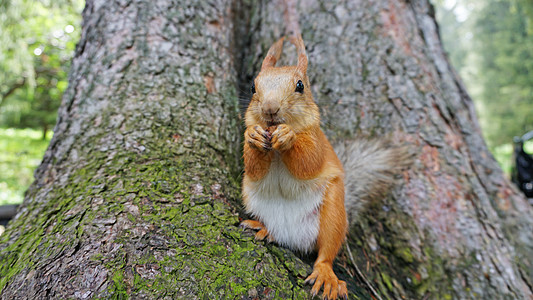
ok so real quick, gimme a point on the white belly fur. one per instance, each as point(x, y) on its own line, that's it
point(287, 206)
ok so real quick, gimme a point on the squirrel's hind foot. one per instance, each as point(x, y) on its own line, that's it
point(256, 225)
point(333, 287)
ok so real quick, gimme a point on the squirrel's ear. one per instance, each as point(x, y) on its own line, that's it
point(273, 54)
point(300, 49)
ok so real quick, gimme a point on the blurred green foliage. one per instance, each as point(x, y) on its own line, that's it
point(37, 41)
point(490, 43)
point(21, 151)
point(505, 42)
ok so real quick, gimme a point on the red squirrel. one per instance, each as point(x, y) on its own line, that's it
point(293, 180)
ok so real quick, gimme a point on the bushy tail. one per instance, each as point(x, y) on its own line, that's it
point(371, 167)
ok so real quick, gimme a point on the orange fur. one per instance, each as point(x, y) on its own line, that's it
point(256, 163)
point(304, 150)
point(332, 232)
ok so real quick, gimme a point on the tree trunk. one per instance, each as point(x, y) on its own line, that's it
point(138, 193)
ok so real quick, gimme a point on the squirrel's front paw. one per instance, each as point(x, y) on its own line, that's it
point(283, 137)
point(258, 138)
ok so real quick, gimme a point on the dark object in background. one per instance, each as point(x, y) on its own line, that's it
point(522, 173)
point(7, 212)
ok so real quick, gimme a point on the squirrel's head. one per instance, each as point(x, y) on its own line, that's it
point(282, 95)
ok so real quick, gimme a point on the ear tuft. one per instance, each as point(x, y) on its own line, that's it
point(273, 55)
point(297, 41)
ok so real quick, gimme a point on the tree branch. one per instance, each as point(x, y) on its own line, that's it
point(12, 89)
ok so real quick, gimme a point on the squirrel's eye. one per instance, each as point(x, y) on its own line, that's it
point(299, 86)
point(253, 87)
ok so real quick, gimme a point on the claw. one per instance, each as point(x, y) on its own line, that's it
point(267, 135)
point(283, 137)
point(258, 138)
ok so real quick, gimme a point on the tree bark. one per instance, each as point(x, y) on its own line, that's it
point(138, 193)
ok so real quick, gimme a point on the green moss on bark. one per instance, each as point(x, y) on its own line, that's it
point(173, 232)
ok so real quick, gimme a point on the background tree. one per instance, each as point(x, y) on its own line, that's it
point(138, 195)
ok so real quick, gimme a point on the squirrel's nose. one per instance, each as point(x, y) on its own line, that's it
point(270, 108)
